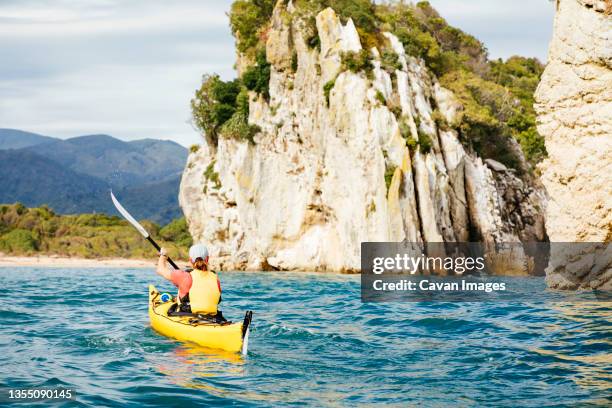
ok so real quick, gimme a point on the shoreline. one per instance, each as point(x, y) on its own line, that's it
point(56, 261)
point(70, 262)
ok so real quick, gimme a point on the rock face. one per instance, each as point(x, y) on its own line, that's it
point(312, 186)
point(574, 104)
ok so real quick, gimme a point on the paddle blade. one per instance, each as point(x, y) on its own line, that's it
point(128, 216)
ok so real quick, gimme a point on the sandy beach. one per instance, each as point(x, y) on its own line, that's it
point(62, 262)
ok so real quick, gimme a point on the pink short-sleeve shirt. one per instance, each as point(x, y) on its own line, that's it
point(182, 280)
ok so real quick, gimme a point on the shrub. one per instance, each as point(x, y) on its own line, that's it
point(390, 61)
point(357, 61)
point(194, 148)
point(389, 172)
point(18, 241)
point(242, 102)
point(381, 98)
point(439, 120)
point(396, 110)
point(222, 112)
point(520, 74)
point(222, 108)
point(44, 212)
point(150, 226)
point(425, 142)
point(226, 92)
point(257, 77)
point(238, 127)
point(405, 130)
point(248, 18)
point(214, 103)
point(211, 175)
point(423, 139)
point(412, 144)
point(311, 33)
point(327, 89)
point(532, 144)
point(20, 208)
point(362, 12)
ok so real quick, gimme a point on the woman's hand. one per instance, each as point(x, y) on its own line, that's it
point(162, 267)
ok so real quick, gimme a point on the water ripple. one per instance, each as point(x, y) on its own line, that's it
point(312, 343)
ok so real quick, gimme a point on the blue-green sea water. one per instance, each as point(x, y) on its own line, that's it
point(313, 343)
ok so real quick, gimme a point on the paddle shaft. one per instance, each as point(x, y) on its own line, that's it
point(170, 261)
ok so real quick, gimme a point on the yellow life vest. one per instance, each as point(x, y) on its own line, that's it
point(204, 293)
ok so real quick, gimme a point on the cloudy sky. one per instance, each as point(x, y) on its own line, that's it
point(128, 68)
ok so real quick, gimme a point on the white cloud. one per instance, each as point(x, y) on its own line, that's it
point(67, 23)
point(124, 68)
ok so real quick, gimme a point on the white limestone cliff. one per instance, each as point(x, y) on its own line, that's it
point(312, 186)
point(574, 105)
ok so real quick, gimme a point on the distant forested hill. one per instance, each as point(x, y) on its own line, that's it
point(117, 162)
point(75, 175)
point(33, 180)
point(17, 139)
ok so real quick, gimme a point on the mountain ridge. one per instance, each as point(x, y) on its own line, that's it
point(145, 173)
point(17, 139)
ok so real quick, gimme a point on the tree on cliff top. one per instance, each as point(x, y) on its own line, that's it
point(214, 104)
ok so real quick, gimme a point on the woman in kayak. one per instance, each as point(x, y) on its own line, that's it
point(199, 290)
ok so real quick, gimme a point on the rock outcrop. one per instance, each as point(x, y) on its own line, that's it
point(312, 187)
point(574, 104)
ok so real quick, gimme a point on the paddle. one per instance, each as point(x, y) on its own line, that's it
point(139, 227)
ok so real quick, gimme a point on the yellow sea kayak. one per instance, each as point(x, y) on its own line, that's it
point(232, 337)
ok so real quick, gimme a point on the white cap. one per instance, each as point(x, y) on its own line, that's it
point(198, 251)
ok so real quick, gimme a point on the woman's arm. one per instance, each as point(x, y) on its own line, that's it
point(162, 265)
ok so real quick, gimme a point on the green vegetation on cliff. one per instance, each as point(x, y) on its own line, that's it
point(222, 108)
point(38, 231)
point(248, 19)
point(520, 76)
point(497, 95)
point(257, 77)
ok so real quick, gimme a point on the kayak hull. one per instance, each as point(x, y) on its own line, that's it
point(230, 337)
